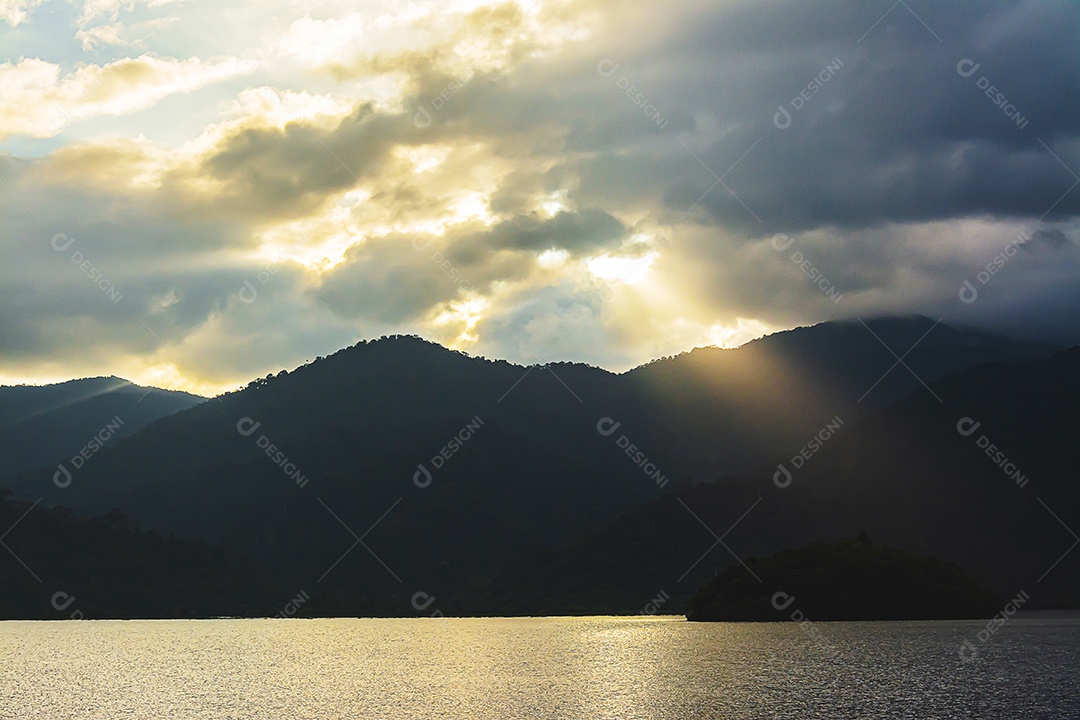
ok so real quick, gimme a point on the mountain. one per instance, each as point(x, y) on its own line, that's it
point(353, 431)
point(398, 466)
point(44, 425)
point(843, 580)
point(58, 566)
point(724, 411)
point(979, 470)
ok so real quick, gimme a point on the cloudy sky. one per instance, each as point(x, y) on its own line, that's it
point(197, 193)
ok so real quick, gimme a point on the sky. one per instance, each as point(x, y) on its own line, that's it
point(198, 193)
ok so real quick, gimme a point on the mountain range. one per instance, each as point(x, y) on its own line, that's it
point(397, 467)
point(976, 469)
point(40, 425)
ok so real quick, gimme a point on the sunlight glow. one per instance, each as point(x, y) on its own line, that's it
point(552, 258)
point(743, 331)
point(628, 270)
point(471, 206)
point(167, 375)
point(424, 157)
point(462, 316)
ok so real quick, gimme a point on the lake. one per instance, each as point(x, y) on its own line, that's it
point(598, 667)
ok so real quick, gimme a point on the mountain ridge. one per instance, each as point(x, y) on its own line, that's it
point(538, 472)
point(907, 471)
point(46, 424)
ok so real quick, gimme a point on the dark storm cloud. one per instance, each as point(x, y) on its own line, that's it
point(893, 132)
point(270, 172)
point(87, 270)
point(902, 131)
point(388, 280)
point(1051, 237)
point(396, 278)
point(576, 232)
point(900, 145)
point(887, 124)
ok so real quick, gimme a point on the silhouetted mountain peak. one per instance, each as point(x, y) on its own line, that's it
point(483, 462)
point(42, 424)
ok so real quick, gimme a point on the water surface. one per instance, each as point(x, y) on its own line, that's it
point(599, 667)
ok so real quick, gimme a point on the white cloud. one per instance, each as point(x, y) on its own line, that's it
point(40, 101)
point(120, 34)
point(93, 9)
point(16, 11)
point(102, 35)
point(312, 185)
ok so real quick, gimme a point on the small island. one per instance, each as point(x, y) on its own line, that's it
point(844, 580)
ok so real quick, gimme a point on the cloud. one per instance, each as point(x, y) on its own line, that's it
point(575, 231)
point(103, 35)
point(1051, 237)
point(119, 34)
point(605, 179)
point(41, 101)
point(94, 9)
point(421, 40)
point(14, 12)
point(293, 169)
